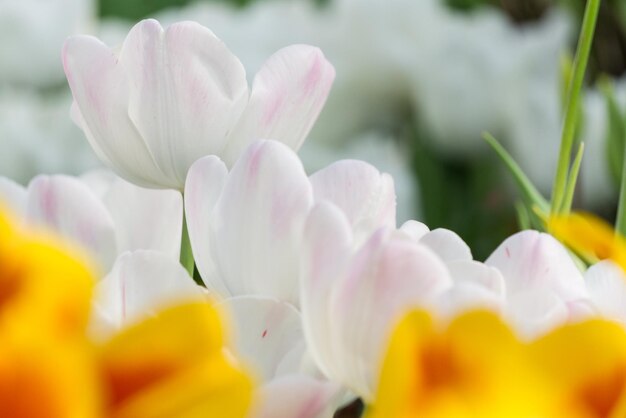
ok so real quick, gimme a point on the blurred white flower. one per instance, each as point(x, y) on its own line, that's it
point(37, 136)
point(33, 32)
point(606, 282)
point(104, 214)
point(172, 96)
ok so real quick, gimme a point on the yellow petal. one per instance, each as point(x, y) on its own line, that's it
point(474, 368)
point(589, 236)
point(44, 287)
point(586, 362)
point(48, 378)
point(174, 365)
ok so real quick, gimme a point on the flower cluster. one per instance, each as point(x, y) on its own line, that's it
point(313, 271)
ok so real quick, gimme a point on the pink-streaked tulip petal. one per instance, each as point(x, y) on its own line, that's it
point(140, 284)
point(387, 277)
point(606, 282)
point(188, 92)
point(534, 260)
point(298, 396)
point(414, 230)
point(267, 333)
point(101, 89)
point(204, 184)
point(146, 219)
point(327, 250)
point(13, 196)
point(68, 206)
point(287, 96)
point(258, 221)
point(447, 245)
point(366, 196)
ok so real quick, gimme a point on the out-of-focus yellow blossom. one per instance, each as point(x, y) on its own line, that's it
point(174, 365)
point(170, 365)
point(586, 364)
point(45, 377)
point(473, 368)
point(43, 289)
point(47, 365)
point(589, 236)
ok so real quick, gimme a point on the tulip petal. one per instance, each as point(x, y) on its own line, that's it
point(533, 260)
point(414, 229)
point(287, 95)
point(366, 196)
point(268, 333)
point(140, 284)
point(535, 312)
point(258, 220)
point(13, 196)
point(388, 276)
point(188, 92)
point(606, 282)
point(475, 286)
point(101, 91)
point(447, 245)
point(467, 296)
point(479, 274)
point(327, 250)
point(146, 219)
point(298, 396)
point(70, 208)
point(204, 184)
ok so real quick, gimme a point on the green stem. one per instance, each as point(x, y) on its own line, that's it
point(531, 194)
point(523, 218)
point(571, 114)
point(620, 222)
point(571, 181)
point(186, 255)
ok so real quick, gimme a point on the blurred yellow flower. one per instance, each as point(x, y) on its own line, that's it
point(42, 287)
point(590, 237)
point(174, 365)
point(473, 368)
point(47, 365)
point(586, 365)
point(171, 365)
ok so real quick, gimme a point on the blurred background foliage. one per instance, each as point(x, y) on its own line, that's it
point(469, 196)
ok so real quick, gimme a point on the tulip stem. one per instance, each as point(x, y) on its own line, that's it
point(186, 255)
point(620, 222)
point(572, 105)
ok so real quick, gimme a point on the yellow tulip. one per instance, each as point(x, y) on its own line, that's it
point(42, 287)
point(47, 365)
point(586, 364)
point(589, 236)
point(171, 365)
point(174, 365)
point(473, 368)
